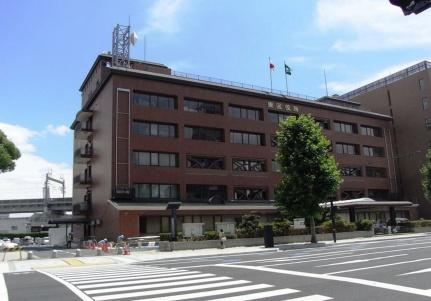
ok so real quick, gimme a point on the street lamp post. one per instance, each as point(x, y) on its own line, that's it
point(334, 234)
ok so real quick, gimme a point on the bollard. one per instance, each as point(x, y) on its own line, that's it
point(98, 251)
point(54, 254)
point(78, 253)
point(120, 251)
point(30, 255)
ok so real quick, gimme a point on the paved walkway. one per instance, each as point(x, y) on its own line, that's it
point(13, 263)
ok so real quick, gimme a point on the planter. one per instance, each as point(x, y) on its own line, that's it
point(248, 242)
point(421, 229)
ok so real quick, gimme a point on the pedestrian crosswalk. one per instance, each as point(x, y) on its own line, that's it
point(147, 283)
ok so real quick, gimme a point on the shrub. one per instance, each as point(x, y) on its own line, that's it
point(165, 236)
point(281, 227)
point(364, 225)
point(420, 223)
point(304, 231)
point(211, 235)
point(249, 226)
point(340, 226)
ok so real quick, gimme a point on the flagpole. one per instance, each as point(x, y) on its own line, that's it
point(326, 84)
point(270, 72)
point(285, 76)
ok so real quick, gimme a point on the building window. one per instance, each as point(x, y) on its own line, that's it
point(371, 131)
point(154, 129)
point(375, 172)
point(275, 166)
point(248, 165)
point(201, 133)
point(14, 228)
point(278, 117)
point(154, 100)
point(378, 194)
point(422, 84)
point(205, 162)
point(249, 193)
point(351, 171)
point(425, 103)
point(245, 113)
point(346, 148)
point(428, 123)
point(274, 141)
point(155, 159)
point(246, 138)
point(345, 127)
point(373, 151)
point(352, 194)
point(156, 191)
point(324, 123)
point(206, 193)
point(203, 106)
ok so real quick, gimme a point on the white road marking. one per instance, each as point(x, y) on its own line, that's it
point(156, 285)
point(359, 260)
point(76, 291)
point(209, 293)
point(172, 290)
point(258, 296)
point(379, 266)
point(388, 286)
point(311, 298)
point(3, 289)
point(88, 271)
point(117, 274)
point(416, 272)
point(147, 279)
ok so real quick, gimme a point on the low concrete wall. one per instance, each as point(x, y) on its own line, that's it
point(421, 229)
point(248, 242)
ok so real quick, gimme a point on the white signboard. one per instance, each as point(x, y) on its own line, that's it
point(299, 223)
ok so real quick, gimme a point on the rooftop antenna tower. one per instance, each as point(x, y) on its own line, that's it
point(121, 40)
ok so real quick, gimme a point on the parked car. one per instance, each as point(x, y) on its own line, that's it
point(27, 240)
point(7, 245)
point(402, 225)
point(45, 241)
point(16, 240)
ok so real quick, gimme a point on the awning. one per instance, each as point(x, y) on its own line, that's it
point(367, 202)
point(70, 220)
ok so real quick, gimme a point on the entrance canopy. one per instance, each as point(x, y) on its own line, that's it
point(367, 202)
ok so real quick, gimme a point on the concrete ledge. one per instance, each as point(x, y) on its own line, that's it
point(248, 242)
point(421, 229)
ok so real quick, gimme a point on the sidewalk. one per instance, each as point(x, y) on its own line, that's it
point(15, 265)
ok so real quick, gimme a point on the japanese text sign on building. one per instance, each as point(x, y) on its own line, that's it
point(283, 107)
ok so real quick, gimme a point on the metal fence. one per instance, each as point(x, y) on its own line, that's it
point(228, 83)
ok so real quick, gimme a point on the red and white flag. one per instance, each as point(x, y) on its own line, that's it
point(271, 66)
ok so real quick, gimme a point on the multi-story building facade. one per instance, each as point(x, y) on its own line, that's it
point(406, 97)
point(146, 136)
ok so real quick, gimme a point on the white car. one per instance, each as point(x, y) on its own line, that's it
point(7, 245)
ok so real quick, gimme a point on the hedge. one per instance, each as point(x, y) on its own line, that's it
point(420, 223)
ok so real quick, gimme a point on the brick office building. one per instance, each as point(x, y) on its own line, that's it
point(406, 97)
point(146, 135)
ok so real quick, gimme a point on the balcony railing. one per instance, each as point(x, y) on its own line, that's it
point(84, 154)
point(83, 130)
point(82, 180)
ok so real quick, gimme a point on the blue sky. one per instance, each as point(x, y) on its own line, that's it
point(48, 46)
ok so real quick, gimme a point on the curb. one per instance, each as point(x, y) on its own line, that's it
point(301, 246)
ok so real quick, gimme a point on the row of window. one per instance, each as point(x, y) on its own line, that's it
point(356, 171)
point(353, 149)
point(211, 107)
point(378, 194)
point(209, 193)
point(200, 162)
point(254, 165)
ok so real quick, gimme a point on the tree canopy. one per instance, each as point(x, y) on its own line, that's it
point(8, 154)
point(426, 175)
point(309, 173)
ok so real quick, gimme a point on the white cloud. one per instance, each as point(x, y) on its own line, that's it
point(60, 130)
point(163, 16)
point(372, 25)
point(340, 87)
point(27, 179)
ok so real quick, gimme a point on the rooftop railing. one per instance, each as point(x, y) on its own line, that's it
point(388, 80)
point(228, 83)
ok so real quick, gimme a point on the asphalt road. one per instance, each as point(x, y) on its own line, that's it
point(398, 269)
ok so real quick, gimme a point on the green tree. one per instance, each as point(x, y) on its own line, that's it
point(426, 175)
point(309, 173)
point(8, 154)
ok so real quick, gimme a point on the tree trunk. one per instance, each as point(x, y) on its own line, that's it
point(313, 230)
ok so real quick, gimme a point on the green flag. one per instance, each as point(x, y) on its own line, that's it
point(287, 69)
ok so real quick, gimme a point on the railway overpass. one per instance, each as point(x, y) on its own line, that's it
point(35, 205)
